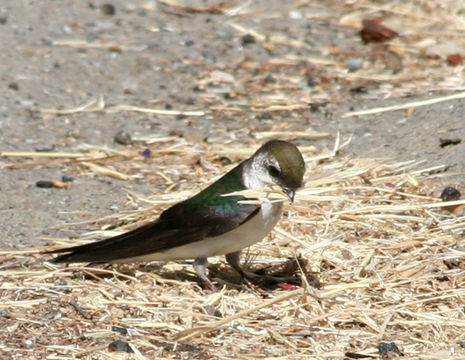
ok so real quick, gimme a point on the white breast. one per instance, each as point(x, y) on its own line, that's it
point(243, 236)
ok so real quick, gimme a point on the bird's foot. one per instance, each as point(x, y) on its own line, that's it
point(255, 288)
point(287, 276)
point(268, 282)
point(200, 266)
point(208, 286)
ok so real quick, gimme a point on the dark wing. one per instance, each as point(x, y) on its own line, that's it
point(211, 209)
point(146, 239)
point(218, 218)
point(176, 227)
point(206, 214)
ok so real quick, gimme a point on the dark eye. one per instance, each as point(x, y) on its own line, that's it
point(273, 171)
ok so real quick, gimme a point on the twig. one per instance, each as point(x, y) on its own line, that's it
point(99, 106)
point(409, 105)
point(118, 108)
point(187, 334)
point(312, 135)
point(106, 171)
point(35, 154)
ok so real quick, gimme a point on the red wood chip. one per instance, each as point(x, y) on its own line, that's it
point(374, 31)
point(454, 59)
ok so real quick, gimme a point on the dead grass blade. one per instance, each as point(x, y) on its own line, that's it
point(374, 234)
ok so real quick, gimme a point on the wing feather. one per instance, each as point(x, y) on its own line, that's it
point(208, 214)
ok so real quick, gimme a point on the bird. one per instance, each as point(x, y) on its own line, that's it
point(208, 223)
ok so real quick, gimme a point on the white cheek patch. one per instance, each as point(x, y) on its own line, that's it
point(256, 173)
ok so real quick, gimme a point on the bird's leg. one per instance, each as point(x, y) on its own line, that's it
point(233, 260)
point(200, 267)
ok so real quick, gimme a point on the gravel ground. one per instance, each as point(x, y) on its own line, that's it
point(149, 54)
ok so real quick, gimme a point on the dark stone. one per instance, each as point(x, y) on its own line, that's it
point(385, 348)
point(266, 116)
point(450, 194)
point(248, 39)
point(67, 178)
point(13, 86)
point(447, 142)
point(44, 184)
point(120, 346)
point(120, 329)
point(108, 9)
point(123, 138)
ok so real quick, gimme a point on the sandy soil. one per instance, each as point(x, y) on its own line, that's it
point(153, 55)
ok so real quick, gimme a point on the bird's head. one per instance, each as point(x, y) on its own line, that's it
point(278, 163)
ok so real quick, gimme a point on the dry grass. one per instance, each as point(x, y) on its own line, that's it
point(375, 235)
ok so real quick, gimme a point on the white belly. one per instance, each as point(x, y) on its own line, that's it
point(245, 235)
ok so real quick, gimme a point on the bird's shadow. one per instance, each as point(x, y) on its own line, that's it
point(286, 275)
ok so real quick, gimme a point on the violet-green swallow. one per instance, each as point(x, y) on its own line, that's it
point(208, 223)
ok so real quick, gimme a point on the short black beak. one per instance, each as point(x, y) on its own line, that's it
point(290, 193)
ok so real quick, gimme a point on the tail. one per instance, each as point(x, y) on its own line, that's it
point(148, 239)
point(121, 246)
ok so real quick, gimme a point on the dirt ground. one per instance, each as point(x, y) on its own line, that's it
point(157, 90)
point(237, 66)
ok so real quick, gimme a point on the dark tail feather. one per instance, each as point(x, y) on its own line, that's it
point(117, 247)
point(72, 258)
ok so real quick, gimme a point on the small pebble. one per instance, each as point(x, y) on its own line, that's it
point(13, 86)
point(269, 79)
point(346, 254)
point(266, 116)
point(295, 15)
point(120, 329)
point(74, 134)
point(354, 64)
point(325, 53)
point(60, 283)
point(67, 178)
point(450, 194)
point(447, 142)
point(360, 89)
point(224, 160)
point(176, 133)
point(120, 345)
point(51, 184)
point(248, 39)
point(115, 49)
point(209, 56)
point(123, 138)
point(45, 149)
point(108, 9)
point(315, 107)
point(212, 311)
point(385, 348)
point(311, 80)
point(26, 102)
point(195, 136)
point(44, 184)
